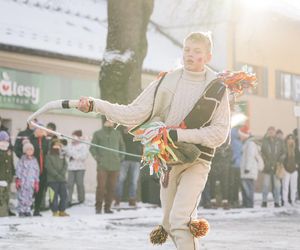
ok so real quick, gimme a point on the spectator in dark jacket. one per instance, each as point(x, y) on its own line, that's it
point(7, 172)
point(273, 153)
point(40, 144)
point(22, 135)
point(129, 167)
point(56, 166)
point(108, 164)
point(235, 175)
point(289, 181)
point(297, 154)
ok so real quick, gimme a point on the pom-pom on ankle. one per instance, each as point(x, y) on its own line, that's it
point(199, 228)
point(158, 236)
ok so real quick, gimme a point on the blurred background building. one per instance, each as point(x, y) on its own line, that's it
point(52, 50)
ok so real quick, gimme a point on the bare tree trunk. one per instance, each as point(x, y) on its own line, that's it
point(126, 48)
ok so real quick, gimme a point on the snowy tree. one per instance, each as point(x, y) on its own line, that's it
point(126, 48)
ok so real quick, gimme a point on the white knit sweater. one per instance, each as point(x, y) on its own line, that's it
point(189, 89)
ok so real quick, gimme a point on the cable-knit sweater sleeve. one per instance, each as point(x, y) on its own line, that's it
point(132, 114)
point(213, 135)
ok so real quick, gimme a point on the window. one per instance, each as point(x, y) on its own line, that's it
point(288, 86)
point(261, 88)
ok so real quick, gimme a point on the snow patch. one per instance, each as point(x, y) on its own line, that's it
point(116, 55)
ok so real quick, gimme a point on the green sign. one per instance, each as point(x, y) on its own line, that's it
point(29, 91)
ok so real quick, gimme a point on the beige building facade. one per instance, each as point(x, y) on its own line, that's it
point(268, 42)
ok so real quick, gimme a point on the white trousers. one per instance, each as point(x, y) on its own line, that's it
point(180, 200)
point(289, 180)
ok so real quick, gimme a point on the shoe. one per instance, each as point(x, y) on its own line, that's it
point(63, 214)
point(27, 214)
point(132, 202)
point(264, 204)
point(98, 211)
point(108, 211)
point(117, 203)
point(276, 204)
point(55, 214)
point(36, 213)
point(213, 203)
point(21, 214)
point(10, 213)
point(207, 206)
point(235, 204)
point(225, 205)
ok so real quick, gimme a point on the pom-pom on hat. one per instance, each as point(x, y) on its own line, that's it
point(244, 131)
point(4, 136)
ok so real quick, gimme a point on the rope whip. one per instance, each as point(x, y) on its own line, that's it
point(67, 104)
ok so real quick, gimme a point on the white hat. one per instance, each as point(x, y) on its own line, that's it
point(27, 146)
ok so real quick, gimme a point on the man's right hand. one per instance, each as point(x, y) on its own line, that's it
point(84, 104)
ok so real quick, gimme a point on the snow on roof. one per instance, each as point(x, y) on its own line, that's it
point(78, 28)
point(74, 28)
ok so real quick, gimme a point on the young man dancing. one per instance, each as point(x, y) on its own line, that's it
point(191, 95)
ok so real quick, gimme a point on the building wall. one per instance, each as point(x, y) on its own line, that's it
point(269, 40)
point(89, 123)
point(65, 123)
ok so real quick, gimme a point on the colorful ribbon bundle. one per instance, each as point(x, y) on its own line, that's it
point(157, 150)
point(237, 81)
point(155, 135)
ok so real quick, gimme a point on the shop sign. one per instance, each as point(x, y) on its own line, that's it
point(15, 92)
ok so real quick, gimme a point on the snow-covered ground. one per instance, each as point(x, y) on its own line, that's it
point(242, 229)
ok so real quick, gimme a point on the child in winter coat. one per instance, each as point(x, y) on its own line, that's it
point(27, 181)
point(6, 172)
point(56, 166)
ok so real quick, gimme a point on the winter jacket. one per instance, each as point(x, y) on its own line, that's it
point(132, 147)
point(237, 148)
point(273, 152)
point(110, 138)
point(27, 171)
point(56, 168)
point(77, 154)
point(7, 170)
point(222, 156)
point(18, 147)
point(251, 161)
point(38, 148)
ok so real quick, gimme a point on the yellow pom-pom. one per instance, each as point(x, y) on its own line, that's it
point(199, 228)
point(158, 236)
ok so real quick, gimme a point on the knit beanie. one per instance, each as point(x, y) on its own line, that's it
point(27, 146)
point(4, 136)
